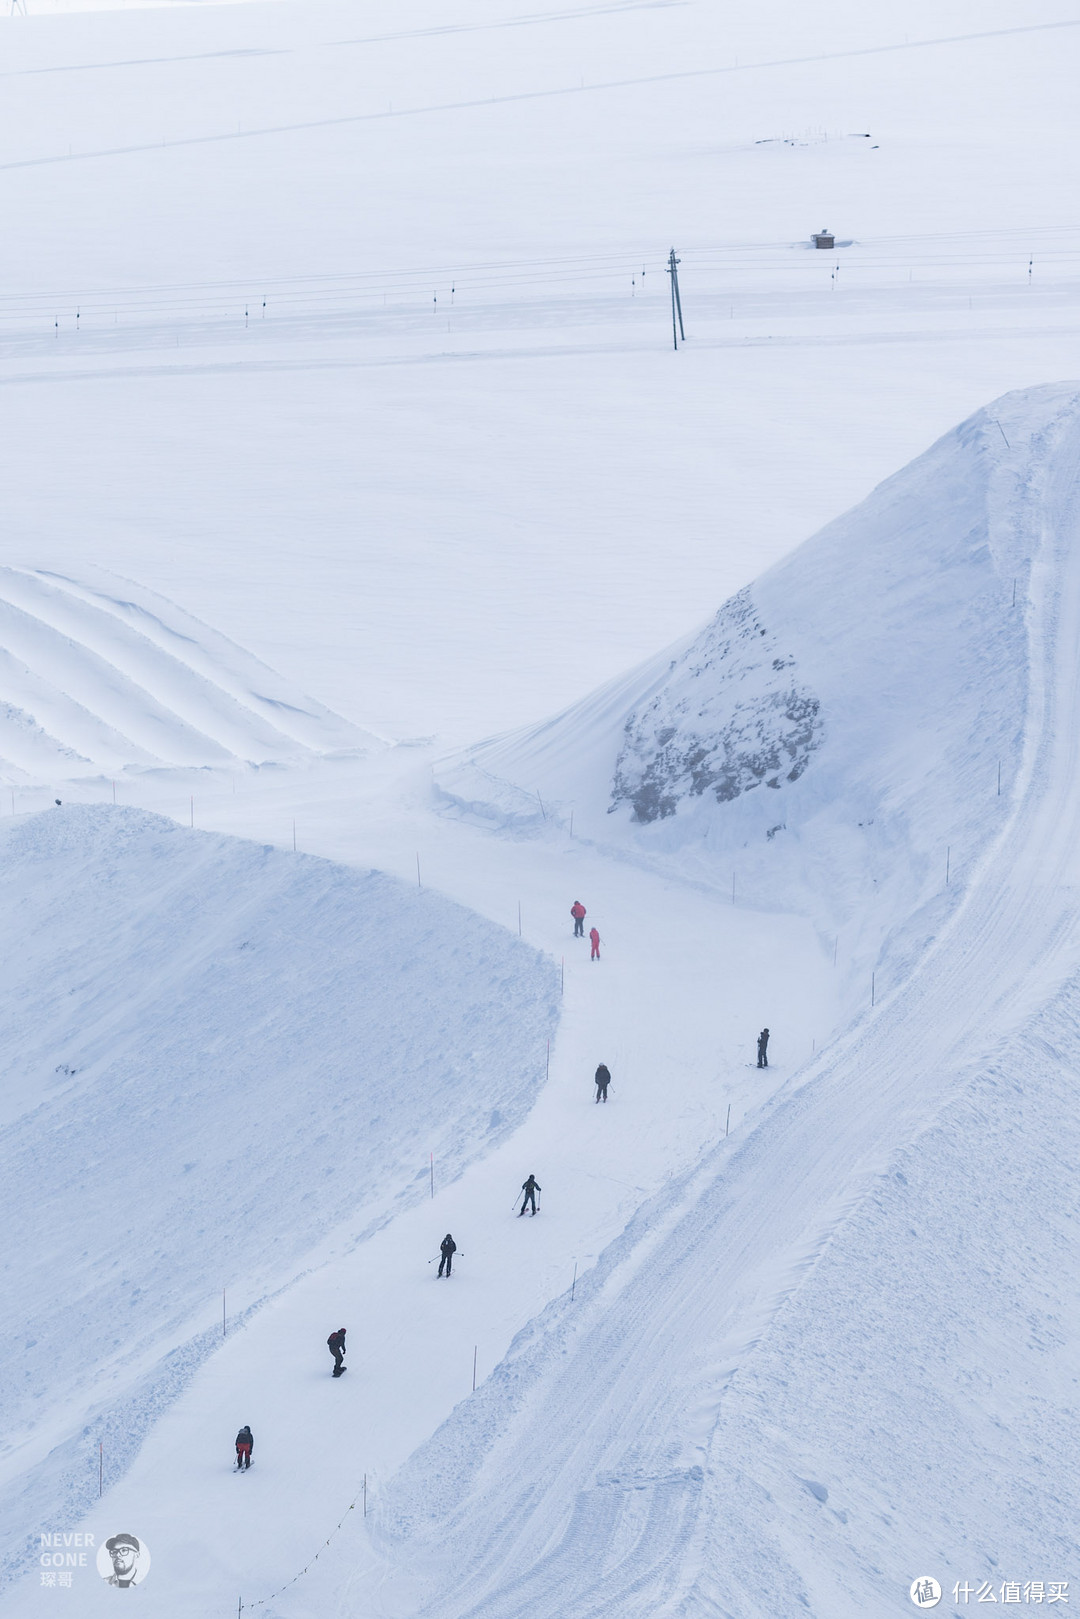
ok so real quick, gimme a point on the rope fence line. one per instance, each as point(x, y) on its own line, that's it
point(1009, 248)
point(361, 1494)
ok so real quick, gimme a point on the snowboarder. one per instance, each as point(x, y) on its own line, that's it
point(530, 1188)
point(577, 911)
point(244, 1447)
point(448, 1248)
point(594, 940)
point(763, 1049)
point(336, 1345)
point(603, 1080)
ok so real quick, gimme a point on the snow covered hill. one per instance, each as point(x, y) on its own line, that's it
point(844, 734)
point(216, 1056)
point(98, 676)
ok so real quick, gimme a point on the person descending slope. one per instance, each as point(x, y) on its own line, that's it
point(603, 1080)
point(594, 939)
point(244, 1446)
point(336, 1345)
point(763, 1049)
point(577, 911)
point(530, 1188)
point(448, 1248)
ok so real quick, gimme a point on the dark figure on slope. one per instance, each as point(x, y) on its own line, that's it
point(530, 1188)
point(603, 1080)
point(577, 911)
point(763, 1049)
point(244, 1446)
point(336, 1345)
point(594, 940)
point(448, 1248)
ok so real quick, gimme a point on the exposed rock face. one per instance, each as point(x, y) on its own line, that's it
point(748, 722)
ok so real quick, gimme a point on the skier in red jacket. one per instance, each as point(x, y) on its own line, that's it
point(594, 939)
point(577, 911)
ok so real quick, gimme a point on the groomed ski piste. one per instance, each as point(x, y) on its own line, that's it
point(377, 580)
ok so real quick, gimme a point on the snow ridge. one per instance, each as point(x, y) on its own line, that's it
point(98, 675)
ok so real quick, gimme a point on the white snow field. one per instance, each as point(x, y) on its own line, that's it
point(335, 340)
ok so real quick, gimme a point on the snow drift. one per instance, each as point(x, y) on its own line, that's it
point(214, 1055)
point(98, 675)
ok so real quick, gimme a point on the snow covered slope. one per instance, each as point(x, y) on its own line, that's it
point(835, 1356)
point(98, 675)
point(843, 729)
point(214, 1055)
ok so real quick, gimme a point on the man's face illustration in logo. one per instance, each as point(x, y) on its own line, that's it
point(124, 1551)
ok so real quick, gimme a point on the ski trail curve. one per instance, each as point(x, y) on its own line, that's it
point(613, 1407)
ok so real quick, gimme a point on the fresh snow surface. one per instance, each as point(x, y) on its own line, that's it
point(343, 328)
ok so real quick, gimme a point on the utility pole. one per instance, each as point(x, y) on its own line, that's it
point(676, 301)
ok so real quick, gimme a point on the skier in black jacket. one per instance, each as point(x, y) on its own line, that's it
point(448, 1248)
point(603, 1080)
point(530, 1188)
point(763, 1049)
point(336, 1345)
point(244, 1446)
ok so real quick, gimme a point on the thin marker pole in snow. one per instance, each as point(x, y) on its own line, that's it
point(543, 811)
point(418, 883)
point(365, 1495)
point(948, 855)
point(100, 1469)
point(727, 1126)
point(999, 779)
point(474, 1368)
point(571, 823)
point(1014, 593)
point(873, 987)
point(193, 812)
point(573, 1284)
point(1001, 430)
